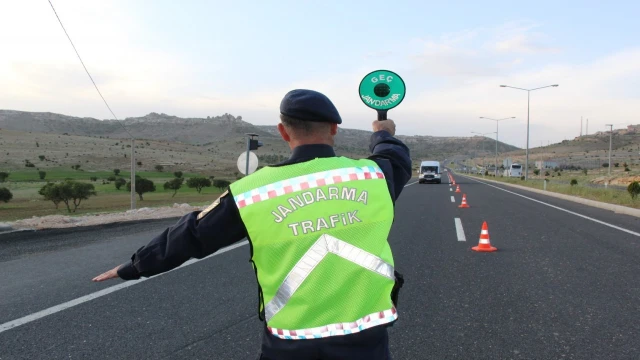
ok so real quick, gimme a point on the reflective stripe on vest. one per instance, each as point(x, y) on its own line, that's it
point(325, 244)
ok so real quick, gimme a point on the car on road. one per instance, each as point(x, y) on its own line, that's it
point(430, 172)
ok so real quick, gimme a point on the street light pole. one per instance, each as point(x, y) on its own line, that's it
point(497, 133)
point(610, 138)
point(526, 164)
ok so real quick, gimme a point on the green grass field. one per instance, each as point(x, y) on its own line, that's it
point(27, 202)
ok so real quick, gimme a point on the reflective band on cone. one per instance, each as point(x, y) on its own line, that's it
point(484, 245)
point(464, 201)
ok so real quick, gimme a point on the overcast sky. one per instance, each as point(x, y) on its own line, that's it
point(199, 58)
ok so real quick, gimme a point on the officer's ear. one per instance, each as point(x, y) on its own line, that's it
point(334, 129)
point(283, 132)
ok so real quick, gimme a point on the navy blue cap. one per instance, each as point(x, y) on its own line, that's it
point(309, 105)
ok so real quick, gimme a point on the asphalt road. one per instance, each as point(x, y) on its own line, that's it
point(560, 286)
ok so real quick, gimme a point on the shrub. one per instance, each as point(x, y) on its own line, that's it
point(634, 189)
point(585, 171)
point(116, 172)
point(142, 186)
point(3, 176)
point(627, 169)
point(536, 171)
point(198, 183)
point(139, 163)
point(221, 184)
point(76, 167)
point(93, 178)
point(522, 177)
point(119, 182)
point(42, 174)
point(605, 165)
point(174, 185)
point(616, 164)
point(5, 194)
point(41, 157)
point(559, 174)
point(159, 168)
point(177, 174)
point(111, 178)
point(574, 182)
point(546, 173)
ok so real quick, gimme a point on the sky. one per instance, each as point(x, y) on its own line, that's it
point(206, 58)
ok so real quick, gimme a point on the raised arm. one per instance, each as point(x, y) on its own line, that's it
point(391, 154)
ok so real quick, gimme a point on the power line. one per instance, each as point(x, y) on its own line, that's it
point(87, 71)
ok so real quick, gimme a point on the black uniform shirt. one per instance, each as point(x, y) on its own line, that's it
point(222, 226)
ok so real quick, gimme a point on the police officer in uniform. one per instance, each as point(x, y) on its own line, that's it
point(318, 227)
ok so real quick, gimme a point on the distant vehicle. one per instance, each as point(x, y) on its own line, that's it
point(514, 170)
point(430, 171)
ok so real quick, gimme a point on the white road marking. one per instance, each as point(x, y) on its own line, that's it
point(69, 304)
point(54, 309)
point(453, 199)
point(415, 182)
point(450, 189)
point(460, 230)
point(565, 210)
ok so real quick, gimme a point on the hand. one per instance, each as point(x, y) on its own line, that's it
point(387, 125)
point(111, 274)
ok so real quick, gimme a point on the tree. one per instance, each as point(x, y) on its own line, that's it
point(221, 184)
point(42, 174)
point(574, 182)
point(3, 176)
point(177, 174)
point(616, 164)
point(198, 183)
point(51, 192)
point(5, 194)
point(605, 165)
point(142, 186)
point(116, 172)
point(69, 192)
point(634, 189)
point(119, 182)
point(93, 178)
point(41, 157)
point(159, 168)
point(174, 185)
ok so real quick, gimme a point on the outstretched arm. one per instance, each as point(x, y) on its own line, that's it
point(191, 237)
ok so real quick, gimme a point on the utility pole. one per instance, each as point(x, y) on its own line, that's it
point(133, 174)
point(610, 138)
point(587, 127)
point(580, 126)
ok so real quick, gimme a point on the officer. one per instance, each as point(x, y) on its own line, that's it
point(318, 226)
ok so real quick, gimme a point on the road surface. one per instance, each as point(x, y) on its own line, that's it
point(564, 284)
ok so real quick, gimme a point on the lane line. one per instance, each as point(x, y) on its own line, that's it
point(459, 230)
point(69, 304)
point(453, 199)
point(54, 309)
point(562, 209)
point(450, 189)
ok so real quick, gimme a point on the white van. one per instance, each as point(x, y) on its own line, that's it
point(430, 171)
point(515, 170)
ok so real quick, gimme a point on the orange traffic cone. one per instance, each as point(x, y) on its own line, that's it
point(458, 189)
point(484, 245)
point(464, 201)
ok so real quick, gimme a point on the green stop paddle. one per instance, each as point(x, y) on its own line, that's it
point(382, 90)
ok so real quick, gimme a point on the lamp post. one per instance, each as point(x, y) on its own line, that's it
point(497, 121)
point(526, 164)
point(610, 137)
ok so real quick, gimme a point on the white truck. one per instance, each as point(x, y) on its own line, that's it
point(430, 172)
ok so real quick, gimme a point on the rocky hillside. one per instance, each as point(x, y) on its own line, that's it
point(226, 132)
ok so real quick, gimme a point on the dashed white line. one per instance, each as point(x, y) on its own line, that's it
point(460, 230)
point(415, 182)
point(450, 189)
point(453, 199)
point(54, 309)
